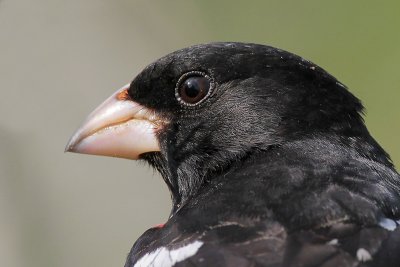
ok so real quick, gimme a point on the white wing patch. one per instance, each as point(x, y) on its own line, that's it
point(388, 224)
point(163, 257)
point(333, 242)
point(363, 255)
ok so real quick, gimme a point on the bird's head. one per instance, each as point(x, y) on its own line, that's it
point(202, 109)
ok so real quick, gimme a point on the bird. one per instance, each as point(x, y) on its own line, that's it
point(266, 156)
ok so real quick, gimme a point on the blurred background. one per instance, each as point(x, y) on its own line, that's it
point(60, 59)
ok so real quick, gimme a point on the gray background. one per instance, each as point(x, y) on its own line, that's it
point(60, 59)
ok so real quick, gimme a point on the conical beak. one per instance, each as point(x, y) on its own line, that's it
point(119, 127)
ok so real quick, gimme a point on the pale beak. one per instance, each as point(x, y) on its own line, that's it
point(119, 127)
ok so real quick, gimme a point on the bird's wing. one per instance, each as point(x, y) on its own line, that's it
point(224, 244)
point(342, 245)
point(231, 244)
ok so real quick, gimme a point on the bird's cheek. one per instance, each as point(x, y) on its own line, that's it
point(119, 127)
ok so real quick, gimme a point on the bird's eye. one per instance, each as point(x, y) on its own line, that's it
point(192, 88)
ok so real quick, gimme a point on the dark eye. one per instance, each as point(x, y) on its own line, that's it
point(193, 88)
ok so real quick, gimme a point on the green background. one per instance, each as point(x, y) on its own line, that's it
point(60, 59)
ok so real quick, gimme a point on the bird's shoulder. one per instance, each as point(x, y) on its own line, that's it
point(284, 210)
point(269, 244)
point(224, 243)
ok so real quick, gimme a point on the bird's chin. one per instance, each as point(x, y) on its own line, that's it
point(119, 127)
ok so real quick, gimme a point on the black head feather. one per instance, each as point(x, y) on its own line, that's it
point(262, 98)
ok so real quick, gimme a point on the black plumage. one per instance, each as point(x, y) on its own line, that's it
point(273, 167)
